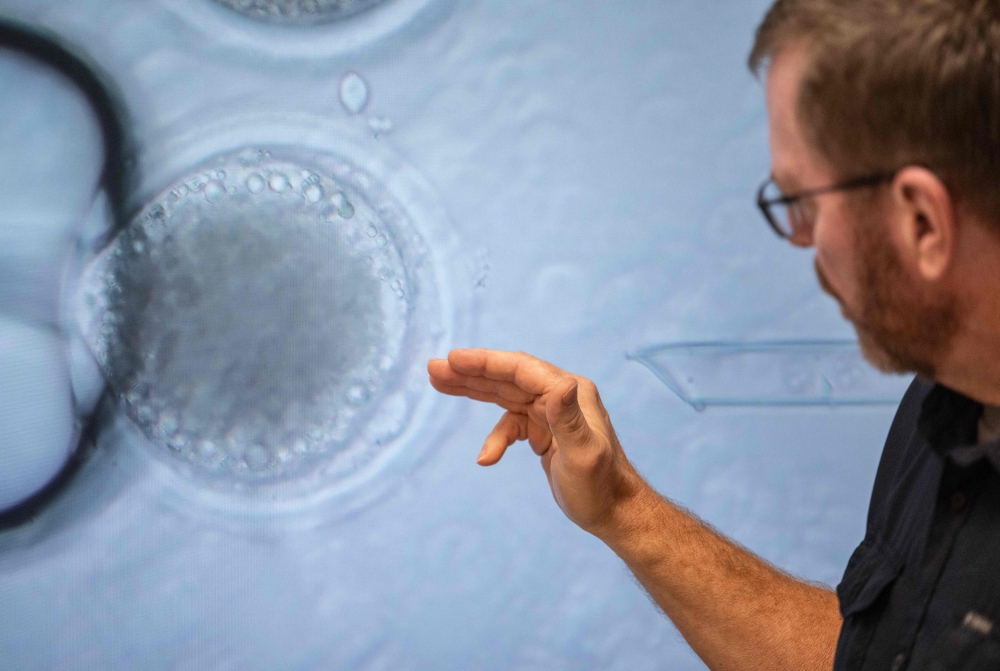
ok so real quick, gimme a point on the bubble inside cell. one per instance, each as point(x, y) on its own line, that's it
point(313, 193)
point(255, 183)
point(298, 12)
point(253, 335)
point(278, 182)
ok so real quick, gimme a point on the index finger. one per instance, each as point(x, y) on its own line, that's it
point(529, 373)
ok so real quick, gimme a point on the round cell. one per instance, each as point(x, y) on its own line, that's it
point(298, 12)
point(50, 163)
point(253, 318)
point(37, 423)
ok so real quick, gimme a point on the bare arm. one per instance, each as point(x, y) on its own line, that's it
point(735, 610)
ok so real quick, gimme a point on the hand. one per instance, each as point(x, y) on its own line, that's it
point(561, 417)
point(735, 610)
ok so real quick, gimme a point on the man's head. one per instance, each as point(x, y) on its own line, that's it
point(906, 87)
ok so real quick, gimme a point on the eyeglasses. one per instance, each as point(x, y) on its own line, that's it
point(792, 216)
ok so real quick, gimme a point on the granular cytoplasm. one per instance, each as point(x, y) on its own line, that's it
point(249, 320)
point(299, 12)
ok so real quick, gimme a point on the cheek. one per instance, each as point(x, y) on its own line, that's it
point(835, 255)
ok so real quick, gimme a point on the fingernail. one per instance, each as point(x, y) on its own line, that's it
point(569, 397)
point(482, 456)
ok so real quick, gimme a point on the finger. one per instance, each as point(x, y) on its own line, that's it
point(547, 465)
point(536, 411)
point(539, 437)
point(477, 395)
point(527, 372)
point(507, 390)
point(444, 374)
point(439, 368)
point(510, 429)
point(565, 417)
point(483, 396)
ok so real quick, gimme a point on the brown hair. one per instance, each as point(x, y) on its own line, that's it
point(899, 82)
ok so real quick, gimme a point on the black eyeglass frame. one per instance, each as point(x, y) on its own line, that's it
point(765, 204)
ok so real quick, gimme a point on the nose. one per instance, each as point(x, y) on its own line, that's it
point(802, 235)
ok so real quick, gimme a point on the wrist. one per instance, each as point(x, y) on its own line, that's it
point(631, 512)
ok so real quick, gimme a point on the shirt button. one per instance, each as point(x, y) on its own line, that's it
point(898, 661)
point(958, 501)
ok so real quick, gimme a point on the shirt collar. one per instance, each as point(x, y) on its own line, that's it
point(949, 423)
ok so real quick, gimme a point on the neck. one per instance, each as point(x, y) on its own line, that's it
point(972, 365)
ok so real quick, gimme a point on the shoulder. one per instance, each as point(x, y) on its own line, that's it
point(902, 448)
point(879, 559)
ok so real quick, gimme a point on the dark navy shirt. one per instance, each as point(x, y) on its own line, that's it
point(922, 591)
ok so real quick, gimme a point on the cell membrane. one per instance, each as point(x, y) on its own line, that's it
point(298, 12)
point(785, 373)
point(252, 317)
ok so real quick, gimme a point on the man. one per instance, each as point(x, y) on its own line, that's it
point(884, 120)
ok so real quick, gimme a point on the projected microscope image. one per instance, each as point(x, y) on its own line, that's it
point(233, 232)
point(306, 12)
point(259, 313)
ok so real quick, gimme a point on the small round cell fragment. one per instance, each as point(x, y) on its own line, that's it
point(353, 93)
point(246, 320)
point(299, 12)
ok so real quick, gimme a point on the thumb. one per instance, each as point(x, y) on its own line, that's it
point(564, 415)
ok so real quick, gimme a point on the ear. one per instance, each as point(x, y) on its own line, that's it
point(924, 218)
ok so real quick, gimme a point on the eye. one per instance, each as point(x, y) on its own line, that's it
point(797, 216)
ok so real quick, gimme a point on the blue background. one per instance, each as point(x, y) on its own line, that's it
point(597, 162)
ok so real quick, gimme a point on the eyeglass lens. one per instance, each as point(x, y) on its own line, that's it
point(794, 219)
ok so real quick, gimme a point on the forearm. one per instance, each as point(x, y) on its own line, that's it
point(735, 610)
